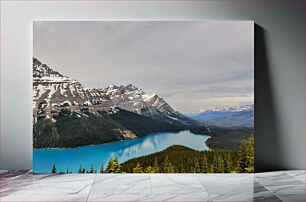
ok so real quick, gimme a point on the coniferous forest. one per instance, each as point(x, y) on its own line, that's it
point(180, 159)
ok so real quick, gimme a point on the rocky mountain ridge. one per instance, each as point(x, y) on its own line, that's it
point(228, 116)
point(54, 92)
point(234, 108)
point(67, 114)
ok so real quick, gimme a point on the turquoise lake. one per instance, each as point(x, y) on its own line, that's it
point(43, 159)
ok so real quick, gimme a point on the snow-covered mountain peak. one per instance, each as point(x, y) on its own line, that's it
point(132, 98)
point(43, 73)
point(228, 116)
point(131, 87)
point(53, 92)
point(238, 108)
point(149, 97)
point(121, 89)
point(42, 70)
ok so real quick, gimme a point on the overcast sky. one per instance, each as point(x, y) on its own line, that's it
point(192, 65)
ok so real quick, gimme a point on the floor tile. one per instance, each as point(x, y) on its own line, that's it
point(281, 183)
point(43, 198)
point(14, 174)
point(236, 184)
point(260, 189)
point(292, 197)
point(149, 198)
point(266, 198)
point(53, 184)
point(176, 184)
point(286, 186)
point(14, 181)
point(182, 197)
point(230, 197)
point(245, 198)
point(114, 184)
point(298, 175)
point(273, 175)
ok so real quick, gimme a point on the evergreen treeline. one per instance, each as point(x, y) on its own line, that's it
point(180, 159)
point(225, 138)
point(71, 131)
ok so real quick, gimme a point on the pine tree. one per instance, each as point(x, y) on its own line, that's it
point(116, 165)
point(156, 168)
point(214, 165)
point(245, 162)
point(204, 166)
point(226, 168)
point(182, 170)
point(212, 168)
point(149, 169)
point(220, 164)
point(83, 171)
point(102, 168)
point(80, 169)
point(197, 168)
point(53, 169)
point(110, 166)
point(138, 169)
point(241, 163)
point(250, 156)
point(168, 167)
point(91, 169)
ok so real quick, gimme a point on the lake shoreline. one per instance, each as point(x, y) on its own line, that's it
point(44, 159)
point(93, 145)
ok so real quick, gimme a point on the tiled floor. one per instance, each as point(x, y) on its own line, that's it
point(273, 186)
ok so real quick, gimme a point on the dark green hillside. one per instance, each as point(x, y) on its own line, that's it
point(180, 159)
point(228, 138)
point(72, 130)
point(141, 125)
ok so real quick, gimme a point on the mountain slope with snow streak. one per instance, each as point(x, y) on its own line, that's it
point(53, 92)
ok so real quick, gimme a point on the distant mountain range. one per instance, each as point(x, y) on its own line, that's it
point(67, 114)
point(227, 116)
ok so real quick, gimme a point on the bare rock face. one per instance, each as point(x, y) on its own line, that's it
point(135, 100)
point(54, 93)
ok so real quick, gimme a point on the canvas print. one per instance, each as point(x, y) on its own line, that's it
point(143, 97)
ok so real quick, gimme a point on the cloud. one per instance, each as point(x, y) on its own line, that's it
point(176, 60)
